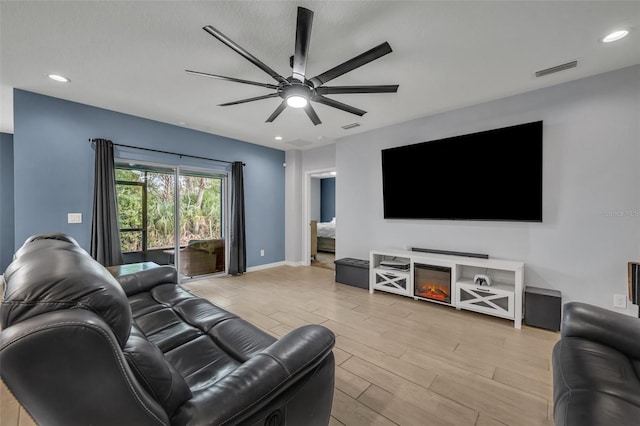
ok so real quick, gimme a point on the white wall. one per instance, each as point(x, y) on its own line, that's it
point(591, 213)
point(293, 207)
point(321, 158)
point(299, 164)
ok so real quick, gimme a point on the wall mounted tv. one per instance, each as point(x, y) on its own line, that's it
point(495, 175)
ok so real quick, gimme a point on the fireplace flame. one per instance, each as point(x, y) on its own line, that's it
point(433, 291)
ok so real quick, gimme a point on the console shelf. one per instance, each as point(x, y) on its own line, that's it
point(503, 298)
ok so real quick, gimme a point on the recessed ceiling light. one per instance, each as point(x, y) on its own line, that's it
point(615, 36)
point(183, 123)
point(278, 138)
point(59, 78)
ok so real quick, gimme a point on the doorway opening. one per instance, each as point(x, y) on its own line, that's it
point(320, 219)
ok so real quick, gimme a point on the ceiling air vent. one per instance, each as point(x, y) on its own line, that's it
point(557, 68)
point(350, 126)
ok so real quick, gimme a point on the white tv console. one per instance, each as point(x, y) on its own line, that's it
point(503, 298)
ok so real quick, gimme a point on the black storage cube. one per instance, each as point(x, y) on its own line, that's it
point(542, 308)
point(353, 272)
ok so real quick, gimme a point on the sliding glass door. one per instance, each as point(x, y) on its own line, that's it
point(201, 223)
point(172, 216)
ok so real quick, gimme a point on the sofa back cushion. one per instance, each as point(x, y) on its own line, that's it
point(51, 272)
point(154, 373)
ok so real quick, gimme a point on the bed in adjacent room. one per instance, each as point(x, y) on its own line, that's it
point(324, 234)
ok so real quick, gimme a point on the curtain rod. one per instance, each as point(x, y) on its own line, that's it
point(169, 152)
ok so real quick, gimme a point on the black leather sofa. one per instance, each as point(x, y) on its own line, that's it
point(79, 347)
point(596, 364)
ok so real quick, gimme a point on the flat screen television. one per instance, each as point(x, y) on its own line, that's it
point(494, 175)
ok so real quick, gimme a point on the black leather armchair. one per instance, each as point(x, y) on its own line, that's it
point(596, 365)
point(79, 347)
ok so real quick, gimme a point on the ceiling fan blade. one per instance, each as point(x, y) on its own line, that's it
point(303, 36)
point(332, 90)
point(333, 103)
point(351, 64)
point(312, 114)
point(248, 56)
point(277, 112)
point(237, 80)
point(257, 98)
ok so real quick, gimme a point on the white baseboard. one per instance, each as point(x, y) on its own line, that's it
point(274, 265)
point(296, 264)
point(265, 266)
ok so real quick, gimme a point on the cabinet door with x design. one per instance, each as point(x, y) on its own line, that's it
point(392, 281)
point(497, 300)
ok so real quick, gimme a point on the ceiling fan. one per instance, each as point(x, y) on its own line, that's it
point(297, 91)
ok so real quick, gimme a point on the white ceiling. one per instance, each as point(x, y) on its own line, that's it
point(130, 56)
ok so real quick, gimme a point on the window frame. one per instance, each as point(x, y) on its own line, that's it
point(144, 221)
point(176, 171)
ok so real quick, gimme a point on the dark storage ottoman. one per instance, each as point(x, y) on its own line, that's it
point(353, 272)
point(542, 308)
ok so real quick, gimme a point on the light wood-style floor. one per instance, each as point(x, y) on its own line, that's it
point(398, 361)
point(324, 260)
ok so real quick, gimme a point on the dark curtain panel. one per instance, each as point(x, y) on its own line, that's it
point(105, 235)
point(237, 249)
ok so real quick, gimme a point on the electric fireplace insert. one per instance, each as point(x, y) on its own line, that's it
point(432, 282)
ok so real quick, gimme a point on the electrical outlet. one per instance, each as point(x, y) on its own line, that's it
point(620, 301)
point(261, 252)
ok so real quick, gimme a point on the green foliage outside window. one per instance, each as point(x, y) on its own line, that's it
point(200, 208)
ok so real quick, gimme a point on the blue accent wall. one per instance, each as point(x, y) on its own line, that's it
point(54, 163)
point(6, 200)
point(327, 199)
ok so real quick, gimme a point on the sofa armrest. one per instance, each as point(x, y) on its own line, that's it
point(610, 328)
point(66, 367)
point(301, 349)
point(147, 279)
point(263, 378)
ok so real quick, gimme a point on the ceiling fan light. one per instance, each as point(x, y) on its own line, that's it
point(297, 101)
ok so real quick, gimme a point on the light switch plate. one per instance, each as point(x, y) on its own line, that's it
point(74, 218)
